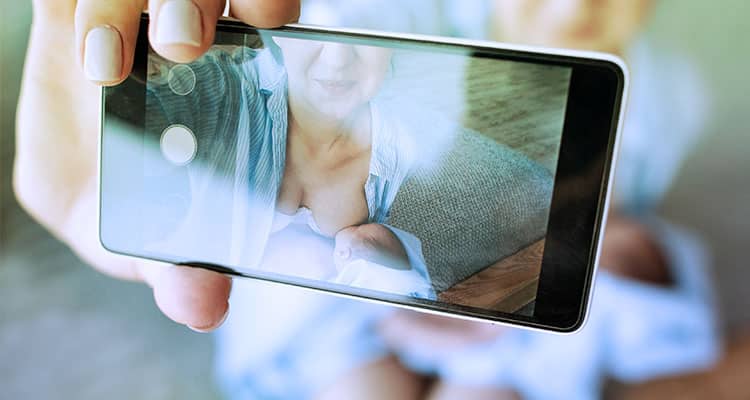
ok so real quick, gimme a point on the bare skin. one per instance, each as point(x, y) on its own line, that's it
point(443, 391)
point(629, 250)
point(607, 26)
point(55, 169)
point(382, 379)
point(326, 172)
point(329, 145)
point(371, 242)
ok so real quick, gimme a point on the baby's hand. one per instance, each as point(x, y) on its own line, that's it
point(370, 242)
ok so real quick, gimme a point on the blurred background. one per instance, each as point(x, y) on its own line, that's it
point(68, 332)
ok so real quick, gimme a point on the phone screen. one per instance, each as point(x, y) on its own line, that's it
point(418, 173)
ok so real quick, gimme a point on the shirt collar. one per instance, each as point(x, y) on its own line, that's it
point(272, 74)
point(384, 157)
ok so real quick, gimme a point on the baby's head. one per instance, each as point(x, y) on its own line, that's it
point(601, 25)
point(370, 242)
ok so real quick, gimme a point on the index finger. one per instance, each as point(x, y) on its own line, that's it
point(265, 13)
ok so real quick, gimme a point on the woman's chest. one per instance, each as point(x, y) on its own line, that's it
point(335, 194)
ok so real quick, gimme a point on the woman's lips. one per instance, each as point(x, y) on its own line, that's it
point(335, 86)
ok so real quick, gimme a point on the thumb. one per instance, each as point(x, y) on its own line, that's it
point(195, 297)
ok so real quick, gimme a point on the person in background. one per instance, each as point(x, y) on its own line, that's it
point(652, 313)
point(653, 298)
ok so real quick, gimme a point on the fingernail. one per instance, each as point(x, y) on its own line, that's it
point(179, 22)
point(102, 57)
point(209, 329)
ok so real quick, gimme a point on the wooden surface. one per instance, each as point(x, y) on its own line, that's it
point(508, 285)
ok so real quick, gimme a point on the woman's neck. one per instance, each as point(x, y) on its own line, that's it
point(322, 134)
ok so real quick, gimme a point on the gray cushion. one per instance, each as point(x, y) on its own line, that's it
point(482, 203)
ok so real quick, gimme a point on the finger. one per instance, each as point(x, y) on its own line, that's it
point(182, 30)
point(265, 13)
point(106, 34)
point(194, 297)
point(190, 296)
point(54, 11)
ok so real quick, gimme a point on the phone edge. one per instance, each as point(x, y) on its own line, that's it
point(613, 60)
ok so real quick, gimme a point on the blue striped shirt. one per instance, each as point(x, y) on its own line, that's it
point(238, 114)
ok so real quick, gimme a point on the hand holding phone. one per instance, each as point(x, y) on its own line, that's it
point(182, 31)
point(55, 170)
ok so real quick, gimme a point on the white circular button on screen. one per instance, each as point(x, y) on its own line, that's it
point(181, 79)
point(178, 144)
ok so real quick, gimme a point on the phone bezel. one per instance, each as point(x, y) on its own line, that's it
point(598, 85)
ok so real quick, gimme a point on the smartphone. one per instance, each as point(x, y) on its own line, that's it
point(463, 178)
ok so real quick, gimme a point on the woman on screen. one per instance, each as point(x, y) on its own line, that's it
point(299, 122)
